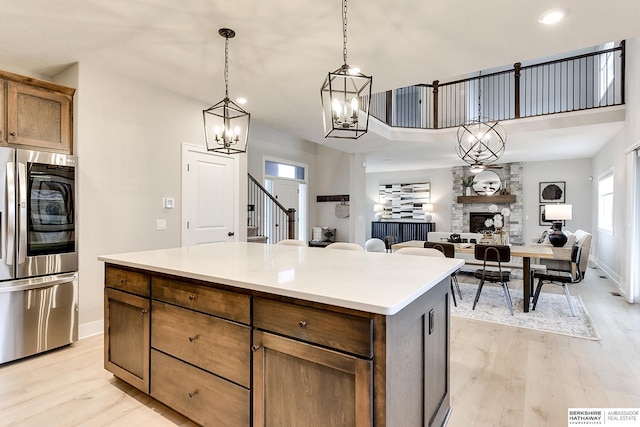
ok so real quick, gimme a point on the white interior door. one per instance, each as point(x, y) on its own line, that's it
point(286, 192)
point(208, 208)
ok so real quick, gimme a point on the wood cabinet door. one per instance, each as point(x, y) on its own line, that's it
point(298, 384)
point(126, 337)
point(38, 118)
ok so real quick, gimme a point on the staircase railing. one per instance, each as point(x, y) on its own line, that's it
point(581, 82)
point(266, 213)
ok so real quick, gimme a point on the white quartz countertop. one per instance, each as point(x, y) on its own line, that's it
point(374, 282)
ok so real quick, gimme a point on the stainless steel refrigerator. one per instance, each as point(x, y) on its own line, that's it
point(39, 253)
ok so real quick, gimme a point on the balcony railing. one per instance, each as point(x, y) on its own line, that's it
point(582, 82)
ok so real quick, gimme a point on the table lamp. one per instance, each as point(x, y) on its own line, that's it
point(427, 208)
point(378, 209)
point(557, 214)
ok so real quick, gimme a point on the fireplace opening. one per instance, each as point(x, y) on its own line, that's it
point(477, 220)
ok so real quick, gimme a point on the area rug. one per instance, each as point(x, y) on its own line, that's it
point(552, 313)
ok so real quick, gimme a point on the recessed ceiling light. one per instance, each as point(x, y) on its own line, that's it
point(553, 16)
point(241, 101)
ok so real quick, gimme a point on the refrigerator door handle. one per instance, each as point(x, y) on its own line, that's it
point(22, 213)
point(11, 212)
point(37, 283)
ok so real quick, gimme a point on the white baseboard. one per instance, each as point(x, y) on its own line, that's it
point(612, 276)
point(90, 329)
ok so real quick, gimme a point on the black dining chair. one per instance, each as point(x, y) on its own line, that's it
point(496, 254)
point(390, 241)
point(559, 277)
point(449, 251)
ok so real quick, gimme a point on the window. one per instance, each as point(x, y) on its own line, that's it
point(605, 202)
point(283, 170)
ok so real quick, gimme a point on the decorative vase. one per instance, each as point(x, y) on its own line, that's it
point(500, 236)
point(467, 191)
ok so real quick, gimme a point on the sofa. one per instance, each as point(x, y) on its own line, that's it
point(580, 237)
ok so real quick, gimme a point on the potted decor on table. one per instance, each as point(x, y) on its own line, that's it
point(467, 182)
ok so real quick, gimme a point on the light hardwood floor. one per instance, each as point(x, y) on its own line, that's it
point(500, 375)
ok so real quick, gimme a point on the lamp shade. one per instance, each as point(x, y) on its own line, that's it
point(558, 212)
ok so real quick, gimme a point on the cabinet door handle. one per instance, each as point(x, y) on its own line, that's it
point(192, 394)
point(255, 348)
point(303, 324)
point(143, 311)
point(192, 297)
point(192, 338)
point(12, 133)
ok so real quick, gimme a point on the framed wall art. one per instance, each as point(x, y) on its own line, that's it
point(553, 192)
point(404, 201)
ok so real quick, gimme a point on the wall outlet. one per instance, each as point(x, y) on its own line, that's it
point(161, 224)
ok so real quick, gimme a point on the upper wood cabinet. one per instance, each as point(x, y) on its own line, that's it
point(35, 114)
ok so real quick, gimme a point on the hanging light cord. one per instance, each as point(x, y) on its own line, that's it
point(226, 67)
point(344, 31)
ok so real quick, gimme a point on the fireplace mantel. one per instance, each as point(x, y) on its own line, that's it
point(496, 198)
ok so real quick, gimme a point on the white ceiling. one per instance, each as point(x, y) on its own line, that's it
point(284, 49)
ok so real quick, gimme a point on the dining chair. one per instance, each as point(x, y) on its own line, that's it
point(346, 246)
point(559, 277)
point(292, 242)
point(389, 241)
point(432, 252)
point(449, 251)
point(495, 254)
point(375, 245)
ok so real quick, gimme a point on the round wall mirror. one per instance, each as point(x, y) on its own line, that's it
point(487, 183)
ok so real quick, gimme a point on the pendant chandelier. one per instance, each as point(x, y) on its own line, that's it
point(481, 141)
point(346, 97)
point(226, 125)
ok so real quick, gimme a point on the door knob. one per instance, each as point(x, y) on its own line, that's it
point(231, 233)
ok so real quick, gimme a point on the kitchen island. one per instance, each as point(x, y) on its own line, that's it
point(240, 334)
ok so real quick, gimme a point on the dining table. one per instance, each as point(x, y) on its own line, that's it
point(526, 252)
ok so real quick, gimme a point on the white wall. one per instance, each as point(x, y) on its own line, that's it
point(610, 249)
point(128, 140)
point(576, 174)
point(333, 178)
point(441, 192)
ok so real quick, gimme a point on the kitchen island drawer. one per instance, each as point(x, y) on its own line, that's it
point(198, 395)
point(134, 282)
point(332, 329)
point(213, 344)
point(230, 305)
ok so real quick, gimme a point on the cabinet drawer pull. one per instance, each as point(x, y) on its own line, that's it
point(192, 394)
point(192, 338)
point(123, 281)
point(255, 348)
point(303, 324)
point(143, 311)
point(192, 297)
point(12, 133)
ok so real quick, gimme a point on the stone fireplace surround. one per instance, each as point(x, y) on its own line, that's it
point(511, 177)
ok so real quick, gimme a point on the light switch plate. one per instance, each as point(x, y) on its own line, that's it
point(168, 202)
point(161, 224)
